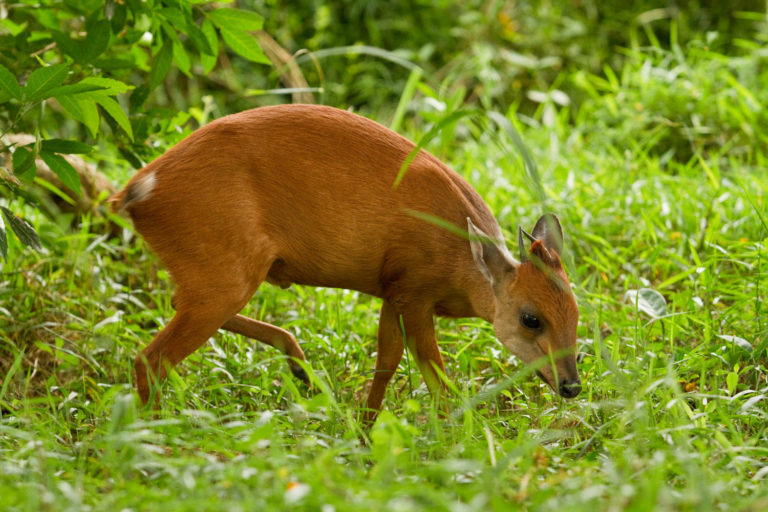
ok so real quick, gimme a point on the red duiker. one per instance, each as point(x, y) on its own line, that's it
point(304, 194)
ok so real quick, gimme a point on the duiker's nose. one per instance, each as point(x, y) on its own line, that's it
point(569, 388)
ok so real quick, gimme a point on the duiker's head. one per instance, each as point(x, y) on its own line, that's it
point(535, 310)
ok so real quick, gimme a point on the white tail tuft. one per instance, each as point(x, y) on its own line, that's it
point(142, 188)
point(136, 192)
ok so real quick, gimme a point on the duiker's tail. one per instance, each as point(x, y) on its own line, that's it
point(138, 189)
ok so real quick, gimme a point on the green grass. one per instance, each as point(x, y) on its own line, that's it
point(656, 188)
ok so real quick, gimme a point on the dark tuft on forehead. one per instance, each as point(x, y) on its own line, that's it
point(551, 270)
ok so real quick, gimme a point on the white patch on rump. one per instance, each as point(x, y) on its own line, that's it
point(136, 192)
point(142, 188)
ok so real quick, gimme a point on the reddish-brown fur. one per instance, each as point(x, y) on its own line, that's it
point(304, 194)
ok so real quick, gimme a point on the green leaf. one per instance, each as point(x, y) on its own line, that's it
point(209, 61)
point(8, 83)
point(97, 40)
point(13, 28)
point(117, 20)
point(648, 301)
point(117, 63)
point(45, 347)
point(73, 89)
point(23, 163)
point(245, 45)
point(43, 80)
point(24, 232)
point(67, 45)
point(65, 146)
point(236, 20)
point(110, 85)
point(82, 110)
point(181, 58)
point(63, 169)
point(235, 25)
point(199, 39)
point(175, 17)
point(47, 17)
point(116, 112)
point(139, 96)
point(161, 65)
point(405, 98)
point(3, 241)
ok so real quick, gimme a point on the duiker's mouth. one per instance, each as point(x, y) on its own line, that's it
point(546, 380)
point(566, 389)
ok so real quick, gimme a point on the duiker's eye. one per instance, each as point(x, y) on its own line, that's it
point(530, 321)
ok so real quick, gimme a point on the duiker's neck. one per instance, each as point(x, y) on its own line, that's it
point(481, 297)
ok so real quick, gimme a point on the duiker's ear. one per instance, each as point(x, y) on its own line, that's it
point(491, 256)
point(548, 230)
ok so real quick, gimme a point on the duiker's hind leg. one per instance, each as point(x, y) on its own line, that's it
point(201, 308)
point(274, 336)
point(270, 334)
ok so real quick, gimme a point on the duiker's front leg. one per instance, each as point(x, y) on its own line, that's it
point(390, 352)
point(422, 343)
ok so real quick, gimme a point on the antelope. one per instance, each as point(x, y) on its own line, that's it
point(305, 194)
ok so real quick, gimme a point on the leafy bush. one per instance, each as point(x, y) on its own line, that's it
point(496, 51)
point(82, 73)
point(685, 103)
